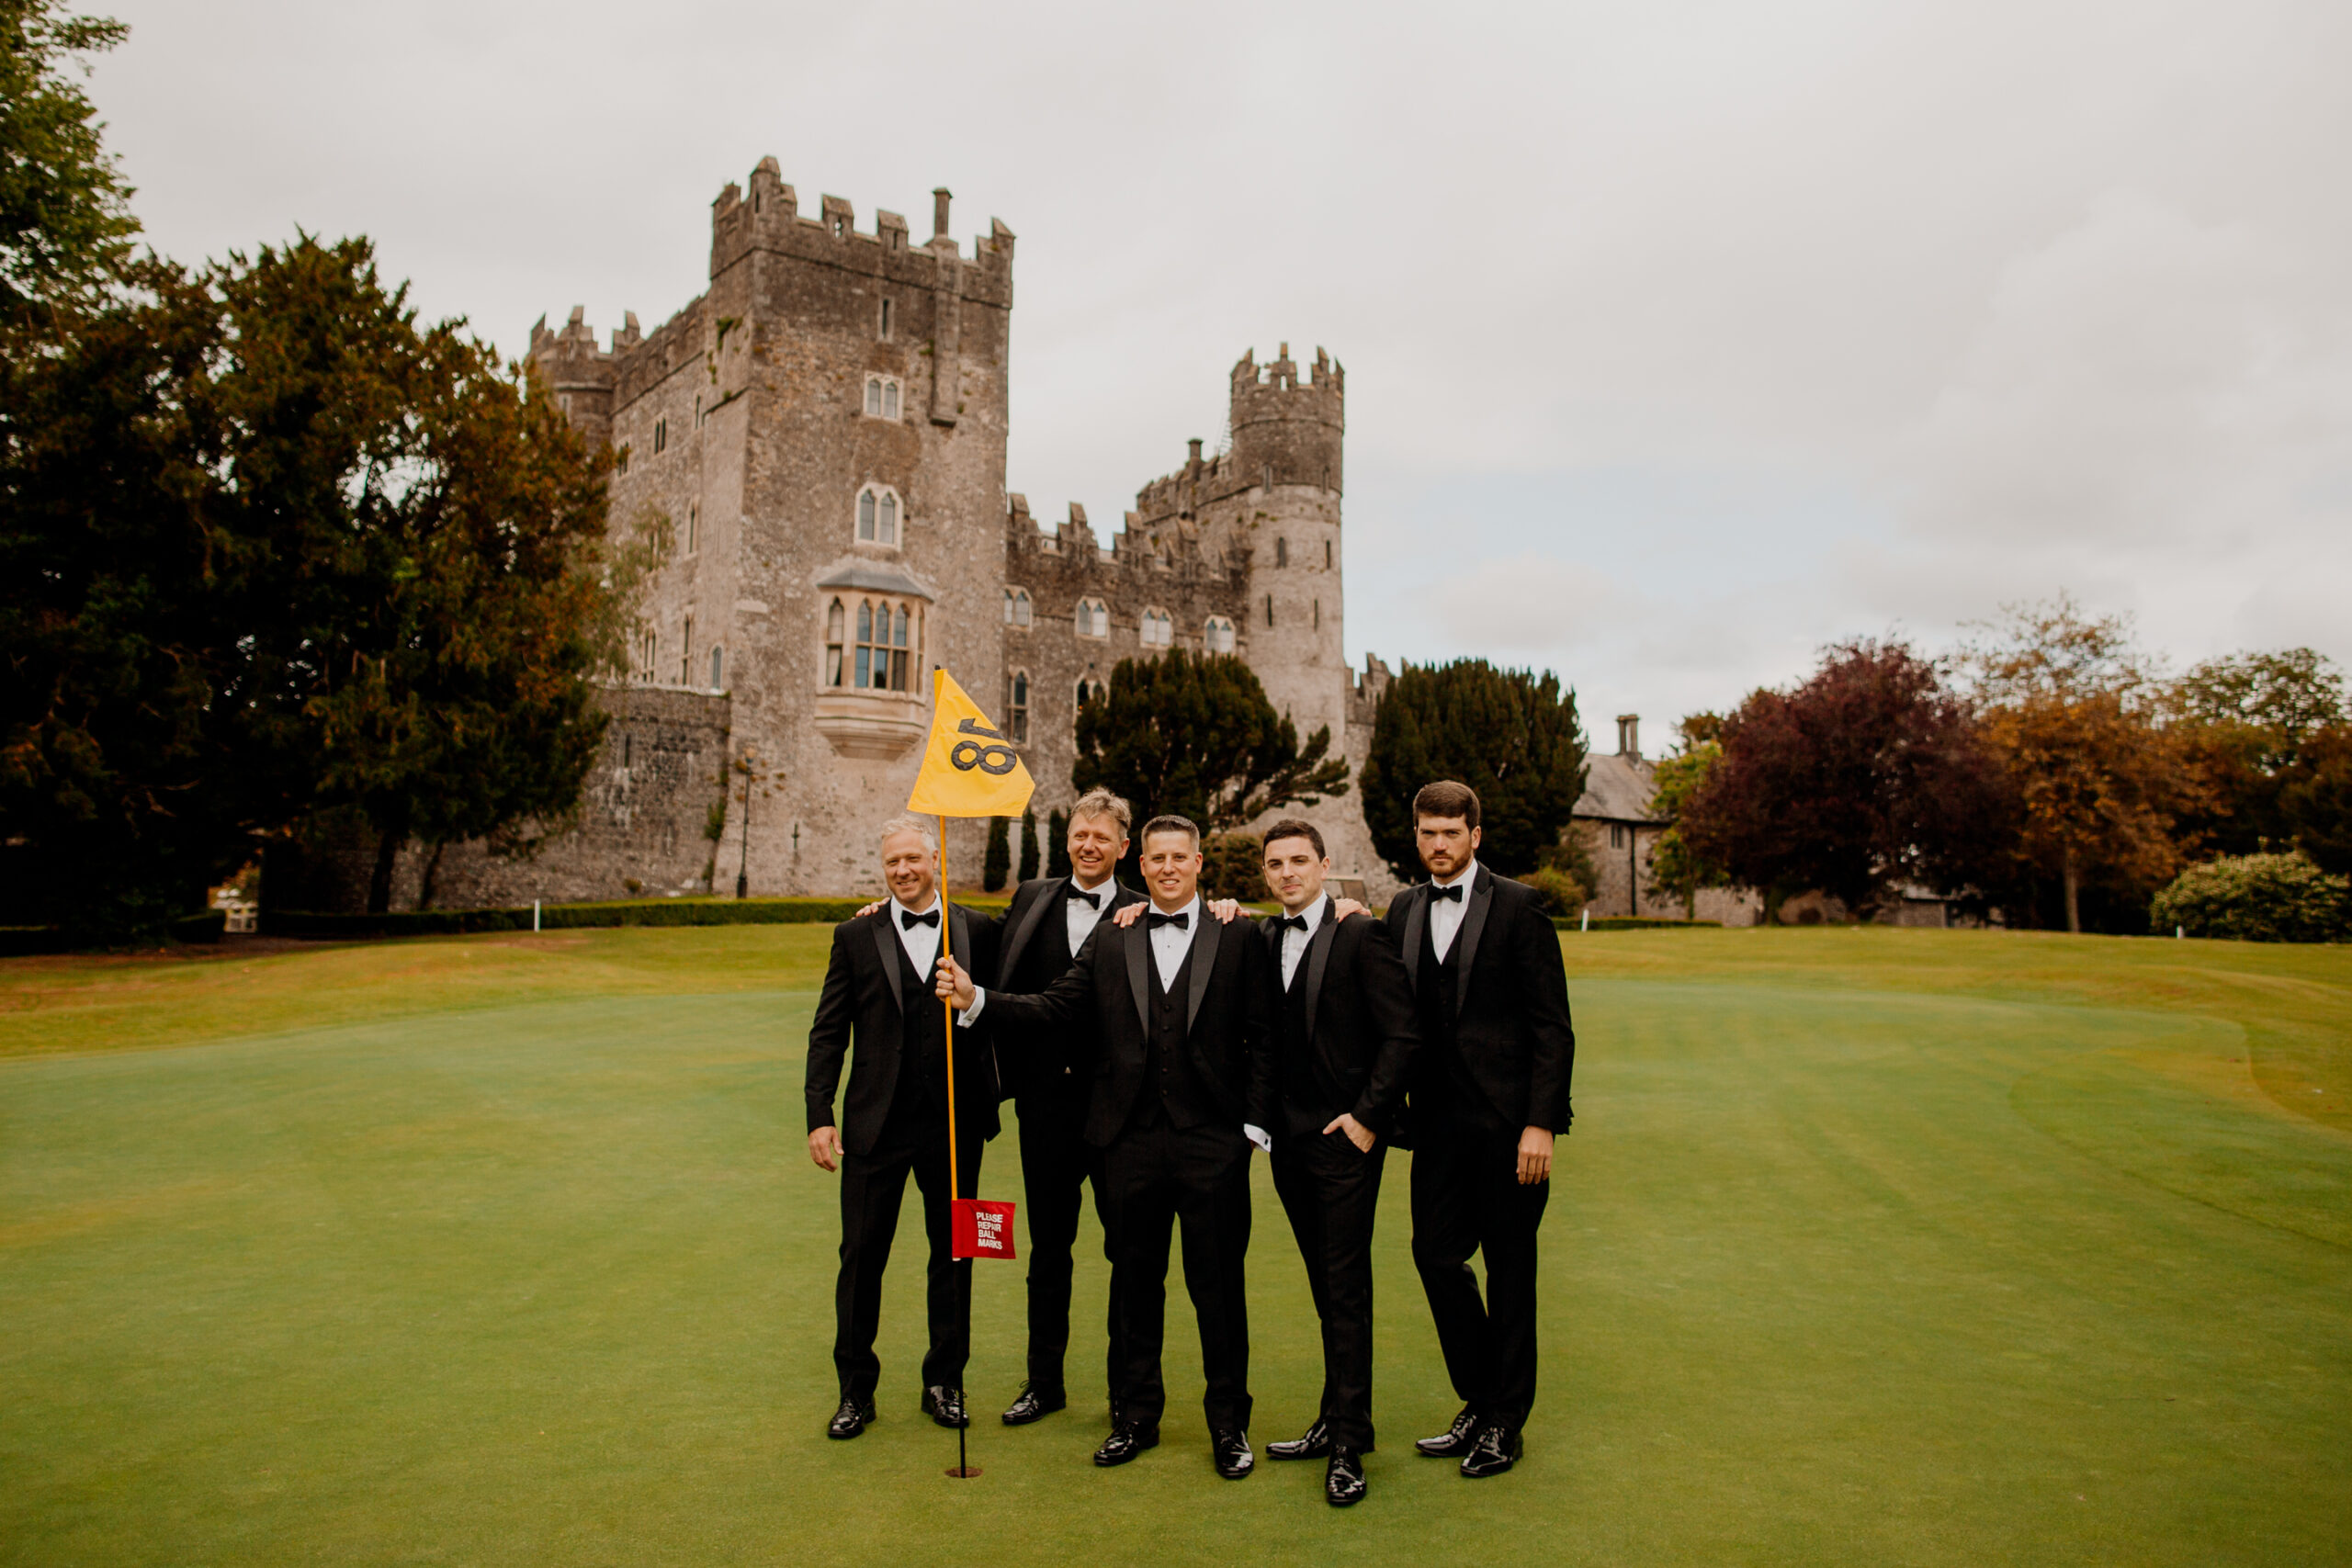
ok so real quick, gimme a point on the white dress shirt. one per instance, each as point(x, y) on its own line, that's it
point(1170, 943)
point(1295, 941)
point(1080, 918)
point(920, 942)
point(1445, 914)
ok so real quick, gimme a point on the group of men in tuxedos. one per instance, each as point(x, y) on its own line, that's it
point(1152, 1043)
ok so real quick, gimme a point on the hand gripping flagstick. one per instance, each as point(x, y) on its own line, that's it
point(969, 769)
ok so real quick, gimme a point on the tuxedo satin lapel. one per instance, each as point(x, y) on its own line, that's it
point(1417, 915)
point(1318, 959)
point(1204, 943)
point(885, 943)
point(1048, 898)
point(1465, 941)
point(1139, 971)
point(960, 929)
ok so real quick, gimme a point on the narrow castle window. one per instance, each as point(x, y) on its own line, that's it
point(1282, 552)
point(1318, 615)
point(693, 524)
point(1270, 609)
point(649, 656)
point(660, 433)
point(1093, 618)
point(1016, 607)
point(1016, 707)
point(886, 308)
point(1327, 555)
point(685, 650)
point(698, 411)
point(718, 667)
point(877, 515)
point(836, 622)
point(1217, 635)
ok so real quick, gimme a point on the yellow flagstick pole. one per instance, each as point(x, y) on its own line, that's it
point(963, 1469)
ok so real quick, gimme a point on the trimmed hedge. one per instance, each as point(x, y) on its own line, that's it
point(1633, 923)
point(2256, 898)
point(564, 917)
point(27, 942)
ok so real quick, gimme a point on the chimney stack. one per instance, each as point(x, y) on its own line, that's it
point(1629, 736)
point(939, 199)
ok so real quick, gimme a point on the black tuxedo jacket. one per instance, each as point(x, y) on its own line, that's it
point(1360, 1021)
point(1033, 951)
point(864, 1000)
point(1102, 1011)
point(1511, 996)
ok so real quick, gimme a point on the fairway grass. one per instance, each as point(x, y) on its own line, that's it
point(1871, 1246)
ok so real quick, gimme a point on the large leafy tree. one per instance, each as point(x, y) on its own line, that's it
point(2072, 710)
point(2243, 722)
point(1195, 735)
point(273, 547)
point(64, 219)
point(1865, 776)
point(2317, 801)
point(1511, 735)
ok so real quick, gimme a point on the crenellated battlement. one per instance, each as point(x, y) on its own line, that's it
point(767, 216)
point(1139, 553)
point(1287, 431)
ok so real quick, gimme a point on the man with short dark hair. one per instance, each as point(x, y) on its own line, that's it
point(1169, 1022)
point(879, 993)
point(1040, 937)
point(1489, 1094)
point(1344, 1041)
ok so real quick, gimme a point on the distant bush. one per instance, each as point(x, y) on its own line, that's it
point(2256, 898)
point(1233, 865)
point(1560, 892)
point(563, 917)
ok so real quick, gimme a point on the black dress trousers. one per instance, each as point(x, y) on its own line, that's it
point(1331, 1191)
point(1467, 1198)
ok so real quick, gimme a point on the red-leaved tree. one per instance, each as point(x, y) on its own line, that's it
point(1865, 777)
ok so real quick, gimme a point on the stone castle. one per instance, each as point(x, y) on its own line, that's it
point(824, 431)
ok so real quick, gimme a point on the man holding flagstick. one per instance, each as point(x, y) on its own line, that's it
point(912, 1107)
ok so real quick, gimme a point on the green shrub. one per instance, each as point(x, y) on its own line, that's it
point(563, 917)
point(2256, 898)
point(1560, 892)
point(1233, 866)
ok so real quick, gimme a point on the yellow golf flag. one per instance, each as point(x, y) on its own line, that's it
point(969, 769)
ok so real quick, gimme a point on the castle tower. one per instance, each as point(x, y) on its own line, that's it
point(824, 430)
point(1286, 438)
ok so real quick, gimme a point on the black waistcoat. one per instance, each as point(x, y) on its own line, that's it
point(1311, 1096)
point(922, 1047)
point(1444, 1069)
point(1170, 1086)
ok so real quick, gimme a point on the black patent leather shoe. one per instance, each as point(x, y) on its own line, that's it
point(1313, 1443)
point(1343, 1479)
point(1124, 1443)
point(945, 1407)
point(1496, 1450)
point(1455, 1441)
point(1032, 1405)
point(850, 1419)
point(1229, 1447)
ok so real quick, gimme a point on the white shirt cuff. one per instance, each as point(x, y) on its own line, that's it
point(1257, 1136)
point(972, 1013)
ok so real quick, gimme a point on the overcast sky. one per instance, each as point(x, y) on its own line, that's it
point(1681, 338)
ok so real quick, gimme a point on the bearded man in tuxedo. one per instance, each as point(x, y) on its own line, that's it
point(879, 995)
point(1489, 1097)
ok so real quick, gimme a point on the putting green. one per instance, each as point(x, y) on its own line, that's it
point(1869, 1248)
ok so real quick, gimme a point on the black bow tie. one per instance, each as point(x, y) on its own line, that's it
point(1293, 923)
point(1091, 901)
point(1181, 919)
point(1453, 892)
point(909, 919)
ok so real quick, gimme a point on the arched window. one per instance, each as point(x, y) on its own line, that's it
point(1016, 606)
point(836, 623)
point(882, 394)
point(648, 655)
point(877, 515)
point(717, 668)
point(1093, 618)
point(1089, 690)
point(886, 637)
point(1217, 635)
point(1158, 629)
point(1016, 707)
